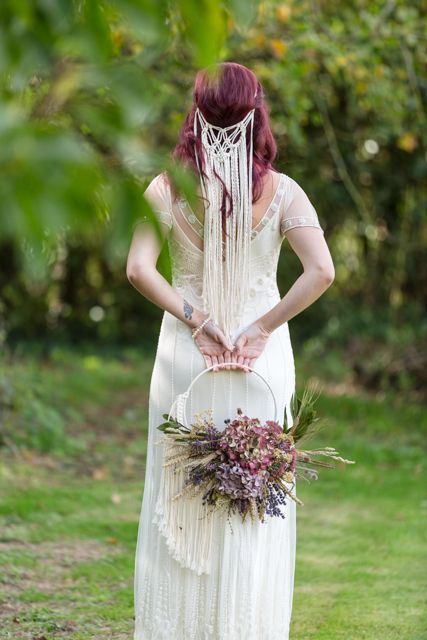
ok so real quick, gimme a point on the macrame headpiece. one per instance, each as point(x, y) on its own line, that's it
point(226, 262)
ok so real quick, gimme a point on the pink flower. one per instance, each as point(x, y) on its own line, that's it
point(253, 467)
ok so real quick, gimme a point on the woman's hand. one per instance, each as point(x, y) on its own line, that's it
point(214, 346)
point(250, 344)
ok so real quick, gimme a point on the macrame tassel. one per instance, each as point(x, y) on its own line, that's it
point(226, 263)
point(185, 523)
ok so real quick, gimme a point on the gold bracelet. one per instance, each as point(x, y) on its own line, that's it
point(200, 327)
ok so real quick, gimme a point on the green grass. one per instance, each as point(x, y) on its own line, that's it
point(69, 512)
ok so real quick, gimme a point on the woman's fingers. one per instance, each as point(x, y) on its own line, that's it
point(234, 360)
point(222, 340)
point(221, 361)
point(242, 356)
point(227, 358)
point(214, 362)
point(240, 342)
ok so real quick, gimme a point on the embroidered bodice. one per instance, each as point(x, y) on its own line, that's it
point(289, 207)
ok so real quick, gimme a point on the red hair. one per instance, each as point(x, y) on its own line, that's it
point(225, 93)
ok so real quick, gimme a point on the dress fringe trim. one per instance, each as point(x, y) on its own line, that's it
point(185, 522)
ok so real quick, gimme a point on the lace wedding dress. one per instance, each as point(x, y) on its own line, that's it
point(249, 589)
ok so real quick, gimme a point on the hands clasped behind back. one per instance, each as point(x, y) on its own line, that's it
point(216, 349)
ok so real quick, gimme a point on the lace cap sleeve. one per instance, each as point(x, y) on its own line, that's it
point(158, 196)
point(297, 211)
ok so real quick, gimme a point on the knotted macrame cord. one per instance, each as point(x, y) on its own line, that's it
point(226, 262)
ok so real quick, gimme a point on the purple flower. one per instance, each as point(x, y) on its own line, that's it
point(238, 482)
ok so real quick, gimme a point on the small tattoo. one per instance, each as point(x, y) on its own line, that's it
point(188, 310)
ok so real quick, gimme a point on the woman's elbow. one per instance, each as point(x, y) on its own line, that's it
point(131, 275)
point(324, 273)
point(134, 272)
point(327, 273)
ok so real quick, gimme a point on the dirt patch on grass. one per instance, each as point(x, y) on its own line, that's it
point(37, 574)
point(78, 550)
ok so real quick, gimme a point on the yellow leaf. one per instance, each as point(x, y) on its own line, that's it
point(408, 142)
point(118, 36)
point(279, 48)
point(283, 12)
point(360, 87)
point(259, 40)
point(341, 61)
point(359, 71)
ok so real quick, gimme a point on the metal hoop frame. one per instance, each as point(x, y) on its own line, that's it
point(181, 400)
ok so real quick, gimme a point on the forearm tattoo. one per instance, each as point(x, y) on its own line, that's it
point(188, 310)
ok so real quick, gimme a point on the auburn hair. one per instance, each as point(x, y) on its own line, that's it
point(225, 93)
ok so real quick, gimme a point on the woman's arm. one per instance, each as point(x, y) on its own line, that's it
point(142, 273)
point(299, 222)
point(310, 246)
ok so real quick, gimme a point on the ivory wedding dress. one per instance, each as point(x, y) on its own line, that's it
point(248, 591)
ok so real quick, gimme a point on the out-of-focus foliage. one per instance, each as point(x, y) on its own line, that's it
point(92, 94)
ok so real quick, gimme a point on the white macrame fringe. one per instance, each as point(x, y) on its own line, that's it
point(185, 523)
point(226, 263)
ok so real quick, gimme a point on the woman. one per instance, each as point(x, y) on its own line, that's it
point(223, 308)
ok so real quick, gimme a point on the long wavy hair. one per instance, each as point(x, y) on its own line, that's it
point(225, 93)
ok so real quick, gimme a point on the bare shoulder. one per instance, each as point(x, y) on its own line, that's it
point(161, 179)
point(270, 181)
point(159, 185)
point(163, 176)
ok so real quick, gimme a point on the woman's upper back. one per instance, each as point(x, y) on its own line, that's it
point(283, 205)
point(281, 197)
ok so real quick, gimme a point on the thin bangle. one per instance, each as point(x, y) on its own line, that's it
point(200, 327)
point(261, 326)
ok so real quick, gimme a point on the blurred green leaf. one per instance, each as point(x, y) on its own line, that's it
point(205, 26)
point(244, 12)
point(93, 32)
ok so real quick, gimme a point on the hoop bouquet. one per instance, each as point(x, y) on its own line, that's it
point(249, 467)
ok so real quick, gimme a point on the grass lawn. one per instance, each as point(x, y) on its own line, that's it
point(71, 469)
